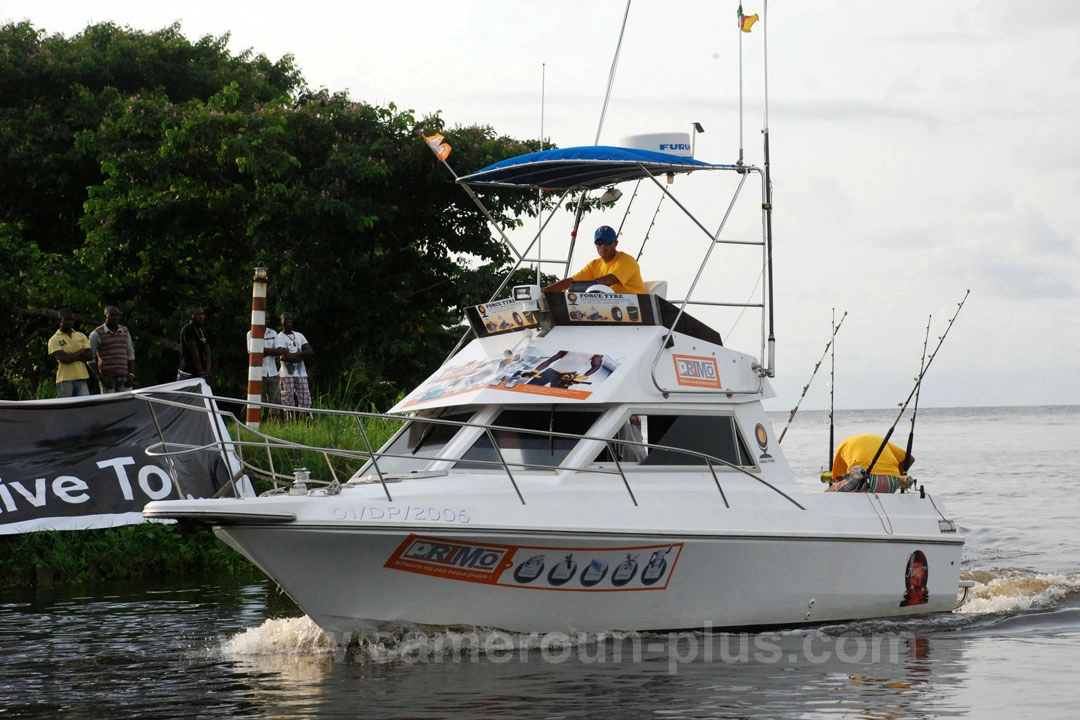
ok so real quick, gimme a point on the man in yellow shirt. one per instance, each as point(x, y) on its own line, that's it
point(72, 351)
point(858, 451)
point(613, 268)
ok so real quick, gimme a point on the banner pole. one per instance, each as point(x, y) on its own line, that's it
point(255, 359)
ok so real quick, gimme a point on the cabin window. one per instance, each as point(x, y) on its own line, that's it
point(527, 446)
point(715, 435)
point(418, 444)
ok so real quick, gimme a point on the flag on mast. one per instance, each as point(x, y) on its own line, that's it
point(746, 21)
point(441, 149)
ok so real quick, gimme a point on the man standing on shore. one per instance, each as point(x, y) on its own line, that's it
point(294, 350)
point(194, 348)
point(72, 351)
point(115, 353)
point(271, 386)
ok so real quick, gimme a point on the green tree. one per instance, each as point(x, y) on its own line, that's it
point(52, 89)
point(368, 241)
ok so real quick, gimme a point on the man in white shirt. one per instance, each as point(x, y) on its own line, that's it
point(271, 386)
point(293, 350)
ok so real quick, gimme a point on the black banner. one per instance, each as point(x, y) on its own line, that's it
point(81, 463)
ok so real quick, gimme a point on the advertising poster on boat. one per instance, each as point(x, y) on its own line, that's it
point(565, 373)
point(81, 463)
point(579, 569)
point(572, 375)
point(453, 380)
point(603, 308)
point(505, 315)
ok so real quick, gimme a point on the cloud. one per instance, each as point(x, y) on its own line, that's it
point(943, 38)
point(1013, 252)
point(1053, 14)
point(1026, 281)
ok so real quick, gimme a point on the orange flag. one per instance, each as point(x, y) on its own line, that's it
point(441, 149)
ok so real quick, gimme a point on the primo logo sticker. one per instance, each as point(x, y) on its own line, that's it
point(458, 555)
point(697, 371)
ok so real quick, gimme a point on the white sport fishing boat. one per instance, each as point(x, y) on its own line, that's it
point(589, 462)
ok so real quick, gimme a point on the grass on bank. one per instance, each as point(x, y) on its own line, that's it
point(331, 431)
point(150, 550)
point(128, 552)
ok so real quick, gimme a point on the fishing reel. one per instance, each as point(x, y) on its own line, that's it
point(860, 477)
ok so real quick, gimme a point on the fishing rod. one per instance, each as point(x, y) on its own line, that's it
point(918, 382)
point(806, 387)
point(626, 213)
point(832, 395)
point(915, 407)
point(826, 474)
point(651, 225)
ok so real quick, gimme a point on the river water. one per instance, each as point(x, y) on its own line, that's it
point(220, 650)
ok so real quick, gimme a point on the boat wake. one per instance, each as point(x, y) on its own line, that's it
point(1003, 601)
point(298, 637)
point(1013, 590)
point(280, 636)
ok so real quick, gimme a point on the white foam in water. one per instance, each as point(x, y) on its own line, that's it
point(1005, 591)
point(282, 636)
point(995, 591)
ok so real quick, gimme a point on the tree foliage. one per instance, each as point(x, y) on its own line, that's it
point(147, 172)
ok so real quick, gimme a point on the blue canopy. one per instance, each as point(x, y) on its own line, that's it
point(588, 167)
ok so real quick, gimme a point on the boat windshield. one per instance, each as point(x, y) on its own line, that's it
point(528, 445)
point(418, 443)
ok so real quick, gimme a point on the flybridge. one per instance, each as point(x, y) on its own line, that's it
point(584, 169)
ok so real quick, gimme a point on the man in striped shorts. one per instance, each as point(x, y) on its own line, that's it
point(293, 349)
point(853, 459)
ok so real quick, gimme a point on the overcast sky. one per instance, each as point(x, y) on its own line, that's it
point(917, 151)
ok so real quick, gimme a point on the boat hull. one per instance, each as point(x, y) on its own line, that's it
point(349, 580)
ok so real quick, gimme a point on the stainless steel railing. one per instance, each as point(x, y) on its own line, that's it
point(244, 442)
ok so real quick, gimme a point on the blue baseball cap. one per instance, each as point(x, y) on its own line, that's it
point(605, 235)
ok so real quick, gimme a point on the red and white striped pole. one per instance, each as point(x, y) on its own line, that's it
point(255, 359)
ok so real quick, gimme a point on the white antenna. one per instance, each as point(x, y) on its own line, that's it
point(539, 191)
point(765, 56)
point(740, 160)
point(768, 185)
point(611, 74)
point(599, 127)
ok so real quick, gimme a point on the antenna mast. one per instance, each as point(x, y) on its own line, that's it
point(771, 367)
point(539, 191)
